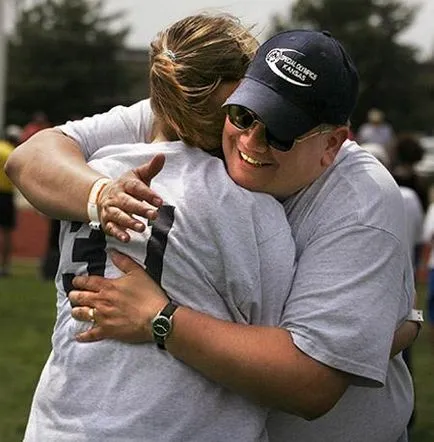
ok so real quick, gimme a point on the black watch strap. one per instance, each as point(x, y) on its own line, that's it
point(162, 324)
point(169, 309)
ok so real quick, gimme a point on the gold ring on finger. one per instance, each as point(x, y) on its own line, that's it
point(92, 314)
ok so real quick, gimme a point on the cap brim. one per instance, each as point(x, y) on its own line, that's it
point(285, 120)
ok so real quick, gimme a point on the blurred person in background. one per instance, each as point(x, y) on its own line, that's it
point(408, 151)
point(428, 236)
point(376, 130)
point(38, 122)
point(7, 202)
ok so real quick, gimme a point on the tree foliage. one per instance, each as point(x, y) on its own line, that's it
point(370, 31)
point(62, 60)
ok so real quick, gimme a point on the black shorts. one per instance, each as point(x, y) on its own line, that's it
point(7, 210)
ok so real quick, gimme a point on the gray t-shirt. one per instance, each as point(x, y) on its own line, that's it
point(348, 227)
point(353, 286)
point(120, 125)
point(215, 247)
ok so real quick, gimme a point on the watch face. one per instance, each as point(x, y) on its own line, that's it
point(161, 326)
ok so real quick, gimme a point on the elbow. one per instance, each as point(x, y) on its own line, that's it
point(12, 166)
point(23, 156)
point(312, 403)
point(310, 410)
point(313, 413)
point(16, 164)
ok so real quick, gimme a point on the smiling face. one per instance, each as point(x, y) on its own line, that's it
point(253, 164)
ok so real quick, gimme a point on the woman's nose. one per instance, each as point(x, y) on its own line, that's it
point(254, 138)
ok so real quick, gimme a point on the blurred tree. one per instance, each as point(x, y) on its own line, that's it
point(370, 31)
point(63, 60)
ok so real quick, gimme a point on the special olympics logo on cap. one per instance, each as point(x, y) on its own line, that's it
point(289, 67)
point(273, 56)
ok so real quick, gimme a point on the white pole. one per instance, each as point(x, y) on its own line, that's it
point(3, 65)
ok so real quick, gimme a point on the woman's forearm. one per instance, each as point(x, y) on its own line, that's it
point(258, 362)
point(261, 363)
point(50, 171)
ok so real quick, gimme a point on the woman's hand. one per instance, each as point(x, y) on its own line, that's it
point(127, 196)
point(121, 308)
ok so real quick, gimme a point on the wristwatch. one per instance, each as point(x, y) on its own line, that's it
point(162, 324)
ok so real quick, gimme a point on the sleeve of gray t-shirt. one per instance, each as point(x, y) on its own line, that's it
point(120, 125)
point(346, 299)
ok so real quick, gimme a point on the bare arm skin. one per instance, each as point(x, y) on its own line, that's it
point(404, 337)
point(51, 172)
point(261, 363)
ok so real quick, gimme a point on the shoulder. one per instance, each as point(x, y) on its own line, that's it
point(140, 114)
point(360, 190)
point(119, 158)
point(136, 120)
point(219, 194)
point(135, 112)
point(116, 151)
point(358, 170)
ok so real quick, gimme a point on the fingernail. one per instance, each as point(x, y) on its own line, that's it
point(156, 201)
point(139, 227)
point(152, 214)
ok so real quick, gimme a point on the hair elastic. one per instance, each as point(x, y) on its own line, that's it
point(170, 54)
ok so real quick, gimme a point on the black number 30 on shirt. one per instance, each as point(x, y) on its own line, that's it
point(91, 250)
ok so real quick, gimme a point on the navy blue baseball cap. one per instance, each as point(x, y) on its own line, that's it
point(298, 80)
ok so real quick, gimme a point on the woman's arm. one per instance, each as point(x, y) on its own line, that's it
point(261, 363)
point(51, 172)
point(404, 337)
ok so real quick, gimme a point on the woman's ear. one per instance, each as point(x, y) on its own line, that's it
point(334, 142)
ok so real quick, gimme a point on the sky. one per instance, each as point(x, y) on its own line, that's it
point(147, 17)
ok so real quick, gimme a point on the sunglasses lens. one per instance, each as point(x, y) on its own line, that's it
point(240, 117)
point(276, 143)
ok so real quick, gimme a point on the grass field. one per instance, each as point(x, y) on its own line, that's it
point(26, 321)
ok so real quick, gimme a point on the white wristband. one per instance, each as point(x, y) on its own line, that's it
point(415, 316)
point(92, 207)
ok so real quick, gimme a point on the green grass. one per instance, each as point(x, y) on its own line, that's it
point(423, 373)
point(27, 313)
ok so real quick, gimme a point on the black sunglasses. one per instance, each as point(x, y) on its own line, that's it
point(243, 119)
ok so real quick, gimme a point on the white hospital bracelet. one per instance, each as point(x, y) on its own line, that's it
point(92, 207)
point(415, 316)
